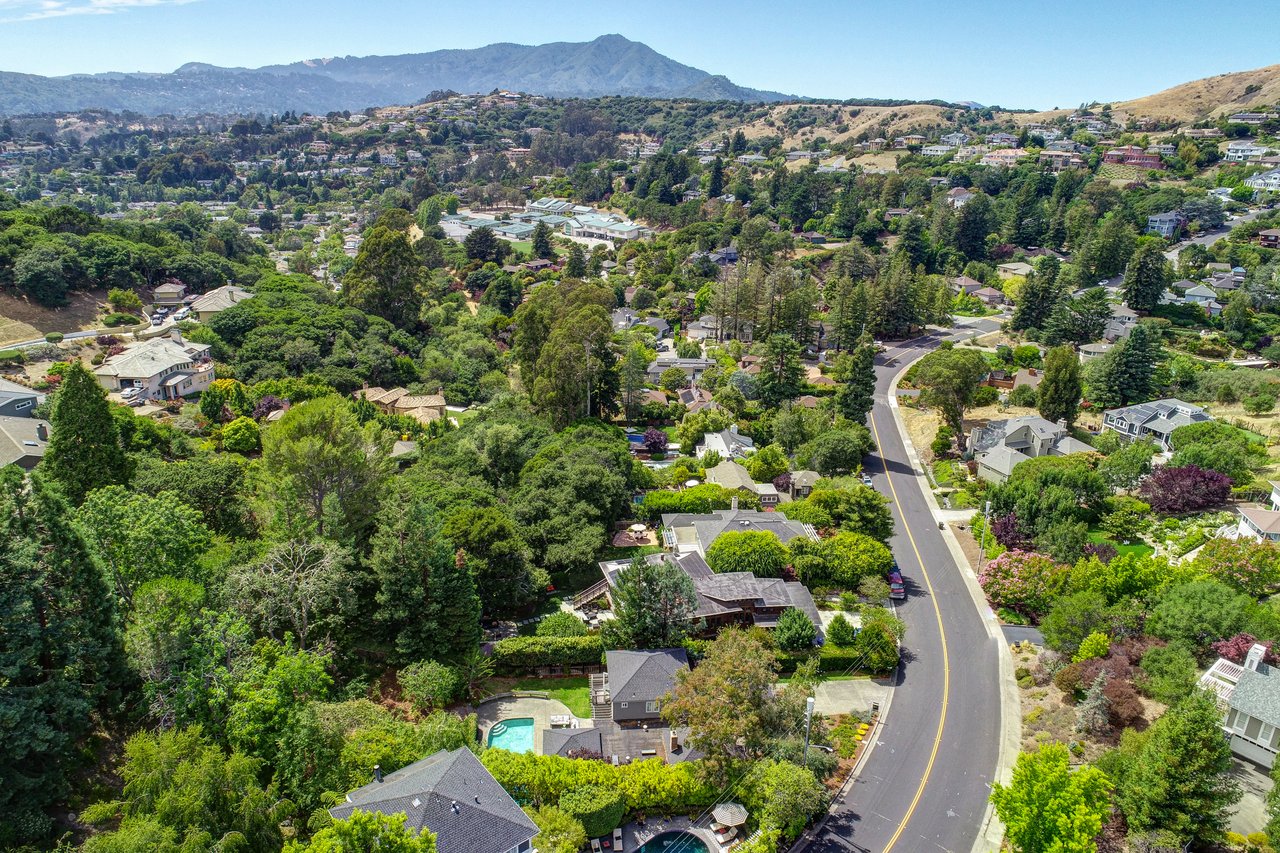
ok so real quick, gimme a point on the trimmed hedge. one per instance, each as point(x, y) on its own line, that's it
point(599, 809)
point(521, 654)
point(12, 356)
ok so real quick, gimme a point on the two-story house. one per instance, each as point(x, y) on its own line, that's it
point(1155, 420)
point(1249, 695)
point(165, 368)
point(637, 681)
point(999, 446)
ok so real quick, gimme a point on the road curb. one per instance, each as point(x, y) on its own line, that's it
point(991, 831)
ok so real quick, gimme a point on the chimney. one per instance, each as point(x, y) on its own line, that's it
point(675, 742)
point(733, 503)
point(733, 428)
point(1256, 652)
point(377, 772)
point(1062, 422)
point(42, 431)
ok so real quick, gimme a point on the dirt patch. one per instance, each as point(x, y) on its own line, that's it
point(964, 535)
point(21, 320)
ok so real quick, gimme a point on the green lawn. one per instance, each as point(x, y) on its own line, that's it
point(573, 691)
point(1141, 549)
point(522, 245)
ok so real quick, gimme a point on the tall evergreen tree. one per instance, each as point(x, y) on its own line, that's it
point(84, 451)
point(1146, 278)
point(976, 222)
point(1036, 302)
point(780, 372)
point(60, 650)
point(541, 241)
point(427, 602)
point(576, 266)
point(1058, 397)
point(656, 603)
point(385, 278)
point(715, 182)
point(857, 372)
point(1181, 778)
point(1126, 375)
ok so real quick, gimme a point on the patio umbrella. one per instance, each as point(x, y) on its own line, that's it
point(637, 528)
point(689, 484)
point(730, 814)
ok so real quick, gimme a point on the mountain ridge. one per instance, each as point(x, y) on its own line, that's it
point(608, 65)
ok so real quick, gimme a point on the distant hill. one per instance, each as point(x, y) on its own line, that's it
point(1210, 97)
point(609, 65)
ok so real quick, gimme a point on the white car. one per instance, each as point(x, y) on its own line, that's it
point(130, 394)
point(182, 314)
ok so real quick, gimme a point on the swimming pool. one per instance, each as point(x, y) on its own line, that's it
point(674, 842)
point(514, 735)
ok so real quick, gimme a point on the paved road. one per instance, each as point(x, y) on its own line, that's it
point(925, 785)
point(1211, 237)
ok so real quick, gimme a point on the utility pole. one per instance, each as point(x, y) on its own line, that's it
point(808, 718)
point(986, 522)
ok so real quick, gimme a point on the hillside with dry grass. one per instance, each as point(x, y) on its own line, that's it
point(800, 124)
point(1209, 98)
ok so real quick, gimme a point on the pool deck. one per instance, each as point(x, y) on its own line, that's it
point(634, 835)
point(515, 707)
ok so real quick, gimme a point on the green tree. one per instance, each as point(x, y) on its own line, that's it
point(794, 632)
point(576, 265)
point(715, 180)
point(786, 796)
point(725, 700)
point(1181, 779)
point(427, 600)
point(1059, 392)
point(60, 651)
point(541, 241)
point(84, 450)
point(576, 372)
point(755, 551)
point(780, 371)
point(386, 277)
point(322, 470)
point(241, 436)
point(184, 782)
point(948, 381)
point(1036, 303)
point(428, 684)
point(836, 451)
point(365, 831)
point(1124, 468)
point(558, 831)
point(767, 463)
point(496, 555)
point(481, 244)
point(597, 808)
point(1127, 374)
point(655, 604)
point(140, 538)
point(857, 372)
point(298, 588)
point(44, 272)
point(1147, 277)
point(1047, 808)
point(126, 301)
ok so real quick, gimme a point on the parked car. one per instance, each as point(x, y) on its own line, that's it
point(130, 394)
point(897, 589)
point(157, 320)
point(182, 314)
point(866, 479)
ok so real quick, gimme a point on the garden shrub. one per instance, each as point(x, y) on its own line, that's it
point(599, 809)
point(522, 654)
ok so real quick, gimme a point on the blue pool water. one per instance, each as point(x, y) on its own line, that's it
point(674, 842)
point(513, 735)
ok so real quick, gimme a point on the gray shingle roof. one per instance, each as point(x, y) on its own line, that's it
point(643, 676)
point(562, 742)
point(1258, 694)
point(453, 795)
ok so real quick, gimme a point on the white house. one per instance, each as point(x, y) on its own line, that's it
point(1261, 525)
point(937, 150)
point(1249, 695)
point(728, 443)
point(1268, 181)
point(162, 368)
point(1205, 297)
point(1239, 150)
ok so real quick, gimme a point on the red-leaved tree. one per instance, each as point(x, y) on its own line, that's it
point(1189, 488)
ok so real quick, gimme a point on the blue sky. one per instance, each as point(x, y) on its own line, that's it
point(1019, 53)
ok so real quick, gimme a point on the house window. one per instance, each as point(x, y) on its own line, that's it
point(524, 847)
point(25, 404)
point(1253, 728)
point(622, 704)
point(652, 707)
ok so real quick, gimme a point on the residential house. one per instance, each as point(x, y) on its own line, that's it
point(23, 440)
point(955, 139)
point(692, 367)
point(1155, 420)
point(970, 152)
point(1261, 525)
point(967, 286)
point(728, 598)
point(728, 443)
point(1163, 149)
point(1269, 238)
point(1268, 181)
point(813, 237)
point(990, 295)
point(683, 532)
point(638, 680)
point(958, 197)
point(18, 400)
point(937, 150)
point(1239, 150)
point(1001, 445)
point(451, 794)
point(169, 294)
point(1249, 695)
point(1009, 270)
point(217, 300)
point(1002, 139)
point(896, 213)
point(423, 408)
point(695, 399)
point(802, 483)
point(733, 476)
point(165, 368)
point(1093, 352)
point(1133, 155)
point(1123, 319)
point(1250, 118)
point(1058, 161)
point(752, 159)
point(1167, 225)
point(1205, 297)
point(1007, 157)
